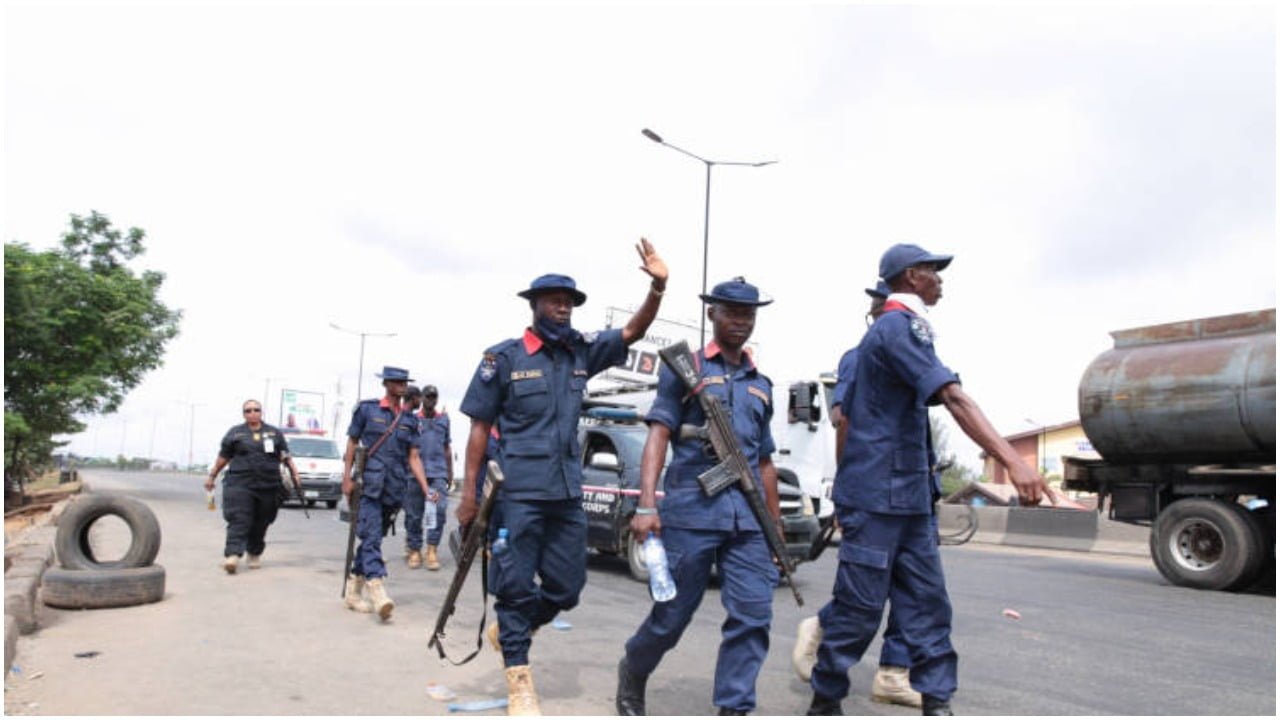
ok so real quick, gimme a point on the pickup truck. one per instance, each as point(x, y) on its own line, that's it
point(612, 442)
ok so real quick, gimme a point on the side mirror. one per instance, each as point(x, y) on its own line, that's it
point(801, 407)
point(606, 461)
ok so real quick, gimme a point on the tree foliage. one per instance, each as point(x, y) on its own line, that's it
point(954, 475)
point(81, 329)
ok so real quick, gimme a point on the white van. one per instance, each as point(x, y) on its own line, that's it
point(806, 437)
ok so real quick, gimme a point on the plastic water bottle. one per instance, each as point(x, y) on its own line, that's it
point(500, 545)
point(430, 511)
point(212, 503)
point(661, 586)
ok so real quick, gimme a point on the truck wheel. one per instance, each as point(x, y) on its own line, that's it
point(115, 587)
point(635, 559)
point(72, 539)
point(1208, 544)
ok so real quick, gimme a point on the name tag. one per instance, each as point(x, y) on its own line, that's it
point(268, 446)
point(525, 374)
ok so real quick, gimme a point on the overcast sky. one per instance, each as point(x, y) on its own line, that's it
point(408, 168)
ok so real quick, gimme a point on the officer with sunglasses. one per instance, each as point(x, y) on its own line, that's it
point(251, 492)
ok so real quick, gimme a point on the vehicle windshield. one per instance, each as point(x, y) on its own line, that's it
point(314, 448)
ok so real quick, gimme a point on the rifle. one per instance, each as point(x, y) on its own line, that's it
point(353, 513)
point(733, 466)
point(297, 486)
point(472, 541)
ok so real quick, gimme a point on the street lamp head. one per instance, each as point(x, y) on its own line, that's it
point(766, 162)
point(651, 135)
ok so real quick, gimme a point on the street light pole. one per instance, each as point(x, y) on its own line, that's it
point(706, 208)
point(363, 335)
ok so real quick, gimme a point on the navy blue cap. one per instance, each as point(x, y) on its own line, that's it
point(412, 391)
point(554, 282)
point(881, 290)
point(902, 256)
point(735, 292)
point(394, 373)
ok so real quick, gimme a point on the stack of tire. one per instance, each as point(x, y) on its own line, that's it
point(82, 581)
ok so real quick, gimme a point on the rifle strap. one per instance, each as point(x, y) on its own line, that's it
point(378, 443)
point(484, 617)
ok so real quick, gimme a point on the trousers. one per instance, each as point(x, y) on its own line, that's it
point(891, 558)
point(747, 579)
point(248, 512)
point(547, 540)
point(414, 517)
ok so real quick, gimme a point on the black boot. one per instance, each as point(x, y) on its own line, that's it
point(630, 696)
point(730, 711)
point(824, 706)
point(931, 705)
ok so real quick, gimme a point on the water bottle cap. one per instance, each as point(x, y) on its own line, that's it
point(502, 532)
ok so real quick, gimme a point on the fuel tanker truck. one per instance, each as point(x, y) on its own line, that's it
point(1183, 416)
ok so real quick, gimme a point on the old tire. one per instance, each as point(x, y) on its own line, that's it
point(635, 559)
point(1207, 544)
point(72, 539)
point(114, 587)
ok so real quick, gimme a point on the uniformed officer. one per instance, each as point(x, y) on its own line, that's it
point(390, 432)
point(435, 449)
point(885, 491)
point(892, 683)
point(698, 530)
point(251, 492)
point(532, 388)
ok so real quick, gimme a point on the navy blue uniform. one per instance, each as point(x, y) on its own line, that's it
point(893, 652)
point(433, 445)
point(884, 494)
point(698, 530)
point(386, 475)
point(251, 490)
point(533, 391)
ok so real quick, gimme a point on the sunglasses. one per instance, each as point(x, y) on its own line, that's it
point(252, 410)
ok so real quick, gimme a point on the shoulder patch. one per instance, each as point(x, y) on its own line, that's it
point(921, 331)
point(753, 390)
point(488, 366)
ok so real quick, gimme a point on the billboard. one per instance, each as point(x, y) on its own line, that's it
point(302, 411)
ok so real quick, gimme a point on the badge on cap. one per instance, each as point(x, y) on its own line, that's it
point(921, 330)
point(488, 367)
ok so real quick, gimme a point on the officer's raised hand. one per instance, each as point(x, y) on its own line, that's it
point(653, 264)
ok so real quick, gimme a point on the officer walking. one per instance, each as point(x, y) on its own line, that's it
point(885, 491)
point(698, 530)
point(532, 388)
point(435, 449)
point(387, 428)
point(892, 683)
point(251, 492)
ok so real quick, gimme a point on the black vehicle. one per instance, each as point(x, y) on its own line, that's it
point(612, 442)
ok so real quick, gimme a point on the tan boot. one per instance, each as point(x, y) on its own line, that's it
point(491, 632)
point(522, 698)
point(433, 562)
point(893, 686)
point(414, 558)
point(355, 599)
point(230, 563)
point(805, 653)
point(378, 595)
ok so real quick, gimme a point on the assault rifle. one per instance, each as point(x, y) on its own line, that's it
point(353, 513)
point(733, 466)
point(473, 540)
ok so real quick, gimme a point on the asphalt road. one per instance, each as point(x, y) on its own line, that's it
point(1098, 635)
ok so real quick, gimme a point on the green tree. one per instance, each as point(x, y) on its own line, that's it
point(81, 329)
point(954, 475)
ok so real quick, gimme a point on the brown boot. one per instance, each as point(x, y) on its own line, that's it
point(414, 558)
point(433, 562)
point(355, 599)
point(378, 595)
point(522, 698)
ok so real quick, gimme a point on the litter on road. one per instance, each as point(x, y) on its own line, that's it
point(477, 705)
point(440, 692)
point(559, 624)
point(1012, 614)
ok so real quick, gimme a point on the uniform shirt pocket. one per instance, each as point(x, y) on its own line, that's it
point(526, 447)
point(532, 396)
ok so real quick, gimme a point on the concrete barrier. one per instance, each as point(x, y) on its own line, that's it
point(20, 599)
point(1049, 528)
point(10, 641)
